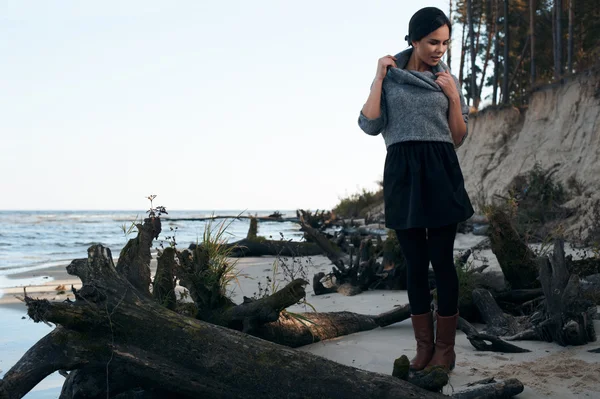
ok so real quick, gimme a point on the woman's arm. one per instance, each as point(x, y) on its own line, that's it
point(372, 117)
point(457, 124)
point(458, 112)
point(372, 108)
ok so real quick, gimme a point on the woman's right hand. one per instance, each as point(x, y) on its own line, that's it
point(383, 64)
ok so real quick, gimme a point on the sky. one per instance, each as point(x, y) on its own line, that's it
point(210, 105)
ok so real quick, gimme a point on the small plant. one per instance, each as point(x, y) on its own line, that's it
point(128, 230)
point(222, 270)
point(155, 212)
point(534, 202)
point(293, 267)
point(172, 239)
point(575, 186)
point(269, 287)
point(466, 284)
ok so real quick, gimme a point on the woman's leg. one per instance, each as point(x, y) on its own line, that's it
point(440, 245)
point(440, 242)
point(414, 247)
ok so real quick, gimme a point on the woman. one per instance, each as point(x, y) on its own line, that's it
point(416, 105)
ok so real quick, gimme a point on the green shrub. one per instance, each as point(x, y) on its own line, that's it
point(356, 205)
point(538, 199)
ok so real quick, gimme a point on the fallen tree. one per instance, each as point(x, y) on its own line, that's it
point(113, 331)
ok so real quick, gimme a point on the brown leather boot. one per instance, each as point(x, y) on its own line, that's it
point(423, 328)
point(445, 337)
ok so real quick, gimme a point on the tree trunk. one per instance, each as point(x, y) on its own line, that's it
point(472, 47)
point(134, 259)
point(570, 44)
point(496, 52)
point(449, 52)
point(485, 64)
point(558, 35)
point(136, 343)
point(516, 259)
point(521, 57)
point(463, 45)
point(532, 9)
point(505, 87)
point(252, 229)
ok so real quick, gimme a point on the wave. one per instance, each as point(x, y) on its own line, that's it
point(45, 264)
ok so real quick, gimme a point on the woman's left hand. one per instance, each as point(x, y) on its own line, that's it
point(446, 82)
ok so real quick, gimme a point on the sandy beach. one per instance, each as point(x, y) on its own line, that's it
point(548, 371)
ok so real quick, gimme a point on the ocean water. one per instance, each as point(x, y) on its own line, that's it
point(34, 240)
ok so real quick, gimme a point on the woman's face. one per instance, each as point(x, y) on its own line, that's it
point(432, 47)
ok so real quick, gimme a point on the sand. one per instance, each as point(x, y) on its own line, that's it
point(548, 371)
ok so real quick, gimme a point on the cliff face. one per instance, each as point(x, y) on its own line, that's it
point(560, 129)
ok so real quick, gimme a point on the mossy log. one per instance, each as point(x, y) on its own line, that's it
point(517, 260)
point(432, 380)
point(137, 344)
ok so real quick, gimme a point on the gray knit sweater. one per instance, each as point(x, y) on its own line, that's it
point(413, 106)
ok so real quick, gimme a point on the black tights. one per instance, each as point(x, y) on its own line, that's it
point(436, 245)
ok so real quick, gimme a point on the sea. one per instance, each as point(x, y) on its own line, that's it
point(35, 240)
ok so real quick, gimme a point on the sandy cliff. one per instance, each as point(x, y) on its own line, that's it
point(560, 128)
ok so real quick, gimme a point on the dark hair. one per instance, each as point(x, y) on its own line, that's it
point(425, 21)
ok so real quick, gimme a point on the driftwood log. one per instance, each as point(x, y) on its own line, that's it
point(262, 247)
point(563, 313)
point(568, 316)
point(115, 332)
point(517, 260)
point(355, 263)
point(496, 321)
point(486, 342)
point(135, 256)
point(490, 388)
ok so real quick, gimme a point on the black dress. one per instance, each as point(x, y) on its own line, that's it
point(423, 186)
